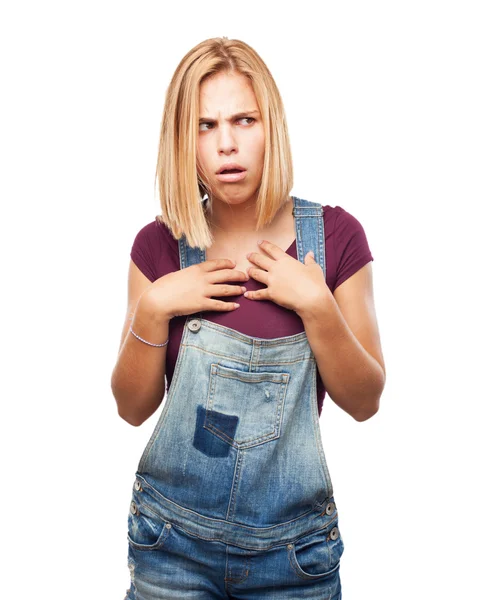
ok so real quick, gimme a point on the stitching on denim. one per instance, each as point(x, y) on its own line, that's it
point(236, 580)
point(288, 340)
point(302, 574)
point(274, 434)
point(234, 488)
point(155, 492)
point(222, 355)
point(254, 376)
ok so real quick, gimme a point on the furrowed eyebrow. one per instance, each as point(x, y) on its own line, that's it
point(233, 117)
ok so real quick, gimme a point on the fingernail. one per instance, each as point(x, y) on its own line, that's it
point(260, 241)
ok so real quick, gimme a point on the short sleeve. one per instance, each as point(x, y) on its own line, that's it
point(351, 246)
point(144, 250)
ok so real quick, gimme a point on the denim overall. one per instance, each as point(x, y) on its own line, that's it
point(232, 496)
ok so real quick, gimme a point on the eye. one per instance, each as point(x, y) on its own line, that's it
point(207, 125)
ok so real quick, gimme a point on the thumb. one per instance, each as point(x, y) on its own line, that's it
point(309, 258)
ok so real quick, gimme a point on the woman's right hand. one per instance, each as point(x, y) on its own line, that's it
point(191, 290)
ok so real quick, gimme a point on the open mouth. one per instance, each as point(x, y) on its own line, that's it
point(231, 175)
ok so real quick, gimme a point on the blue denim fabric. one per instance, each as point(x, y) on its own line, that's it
point(232, 496)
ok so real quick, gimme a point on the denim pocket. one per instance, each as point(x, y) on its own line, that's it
point(245, 408)
point(146, 531)
point(317, 554)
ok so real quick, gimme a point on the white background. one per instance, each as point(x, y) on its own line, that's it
point(382, 105)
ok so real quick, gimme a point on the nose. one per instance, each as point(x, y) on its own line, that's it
point(226, 140)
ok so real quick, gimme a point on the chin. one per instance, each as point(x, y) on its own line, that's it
point(234, 196)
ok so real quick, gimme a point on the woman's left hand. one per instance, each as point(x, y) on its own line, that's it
point(288, 282)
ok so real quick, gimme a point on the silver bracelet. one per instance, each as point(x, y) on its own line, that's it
point(145, 342)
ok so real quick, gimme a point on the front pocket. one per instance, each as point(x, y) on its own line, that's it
point(317, 554)
point(145, 530)
point(245, 409)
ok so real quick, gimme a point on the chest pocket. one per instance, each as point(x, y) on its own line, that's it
point(253, 402)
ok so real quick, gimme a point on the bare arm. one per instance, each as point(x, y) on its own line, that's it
point(138, 378)
point(343, 334)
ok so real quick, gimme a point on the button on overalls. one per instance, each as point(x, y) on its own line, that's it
point(232, 496)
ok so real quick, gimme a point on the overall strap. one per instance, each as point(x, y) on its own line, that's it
point(189, 256)
point(309, 222)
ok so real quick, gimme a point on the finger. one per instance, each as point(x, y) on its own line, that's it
point(227, 275)
point(259, 275)
point(224, 289)
point(275, 251)
point(217, 263)
point(257, 295)
point(263, 261)
point(220, 305)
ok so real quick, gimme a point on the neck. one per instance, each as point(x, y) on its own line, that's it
point(239, 219)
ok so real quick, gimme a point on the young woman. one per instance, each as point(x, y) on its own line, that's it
point(253, 303)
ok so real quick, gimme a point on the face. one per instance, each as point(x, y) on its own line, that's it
point(226, 134)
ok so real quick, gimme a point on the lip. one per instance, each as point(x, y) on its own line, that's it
point(231, 177)
point(230, 166)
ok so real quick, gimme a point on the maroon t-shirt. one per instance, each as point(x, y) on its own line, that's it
point(155, 253)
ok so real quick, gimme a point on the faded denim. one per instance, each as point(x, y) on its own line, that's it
point(232, 496)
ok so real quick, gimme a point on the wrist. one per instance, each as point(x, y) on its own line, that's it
point(149, 313)
point(317, 306)
point(148, 326)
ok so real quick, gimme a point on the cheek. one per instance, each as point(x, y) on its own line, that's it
point(258, 146)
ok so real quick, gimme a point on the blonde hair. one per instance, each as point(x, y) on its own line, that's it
point(181, 188)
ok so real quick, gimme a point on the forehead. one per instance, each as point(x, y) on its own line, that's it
point(226, 93)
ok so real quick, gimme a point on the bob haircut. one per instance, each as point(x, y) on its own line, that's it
point(181, 187)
